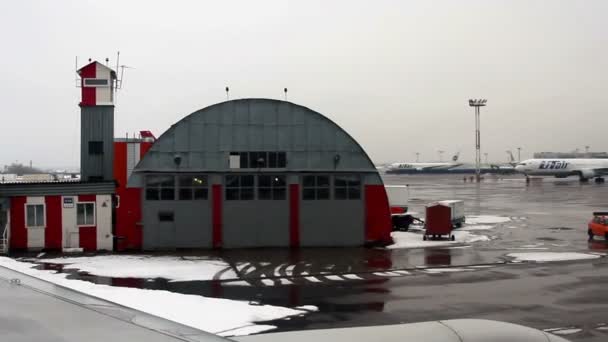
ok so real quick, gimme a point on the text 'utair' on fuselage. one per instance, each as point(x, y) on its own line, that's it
point(585, 169)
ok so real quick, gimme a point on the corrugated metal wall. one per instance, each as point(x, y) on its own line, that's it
point(97, 124)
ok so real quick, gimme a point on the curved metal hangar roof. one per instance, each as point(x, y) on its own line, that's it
point(203, 140)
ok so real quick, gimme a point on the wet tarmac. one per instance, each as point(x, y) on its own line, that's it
point(360, 286)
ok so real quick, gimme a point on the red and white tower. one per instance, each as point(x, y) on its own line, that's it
point(98, 83)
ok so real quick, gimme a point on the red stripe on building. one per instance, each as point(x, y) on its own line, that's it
point(294, 215)
point(53, 229)
point(144, 147)
point(88, 238)
point(18, 232)
point(120, 163)
point(87, 198)
point(123, 224)
point(378, 224)
point(89, 94)
point(217, 199)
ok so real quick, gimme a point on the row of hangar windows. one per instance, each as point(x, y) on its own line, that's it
point(252, 187)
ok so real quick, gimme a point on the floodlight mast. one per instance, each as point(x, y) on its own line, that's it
point(477, 103)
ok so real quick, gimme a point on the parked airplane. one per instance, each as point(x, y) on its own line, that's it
point(562, 168)
point(395, 167)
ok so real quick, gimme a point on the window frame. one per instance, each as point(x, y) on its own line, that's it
point(248, 159)
point(315, 188)
point(159, 188)
point(85, 214)
point(239, 187)
point(193, 187)
point(271, 188)
point(106, 85)
point(94, 151)
point(26, 205)
point(347, 188)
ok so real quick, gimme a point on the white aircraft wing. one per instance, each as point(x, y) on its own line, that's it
point(456, 330)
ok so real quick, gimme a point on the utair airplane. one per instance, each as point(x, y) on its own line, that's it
point(562, 168)
point(396, 167)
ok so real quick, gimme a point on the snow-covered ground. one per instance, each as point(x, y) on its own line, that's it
point(414, 240)
point(219, 316)
point(486, 219)
point(146, 266)
point(563, 331)
point(463, 235)
point(551, 256)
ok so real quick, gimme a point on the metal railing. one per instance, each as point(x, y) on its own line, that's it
point(4, 240)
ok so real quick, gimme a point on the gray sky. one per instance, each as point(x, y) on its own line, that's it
point(395, 74)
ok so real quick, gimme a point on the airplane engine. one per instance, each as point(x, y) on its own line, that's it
point(587, 173)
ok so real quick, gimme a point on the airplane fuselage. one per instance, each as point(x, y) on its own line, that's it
point(585, 168)
point(422, 166)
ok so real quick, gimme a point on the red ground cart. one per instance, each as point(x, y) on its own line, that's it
point(438, 221)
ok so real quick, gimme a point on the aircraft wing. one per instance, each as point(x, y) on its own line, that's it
point(456, 330)
point(35, 310)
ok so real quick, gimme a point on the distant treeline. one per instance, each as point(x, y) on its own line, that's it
point(20, 169)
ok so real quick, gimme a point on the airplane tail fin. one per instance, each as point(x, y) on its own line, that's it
point(512, 161)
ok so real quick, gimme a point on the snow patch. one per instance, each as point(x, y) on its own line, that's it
point(310, 308)
point(146, 266)
point(486, 219)
point(352, 276)
point(248, 330)
point(413, 240)
point(236, 283)
point(478, 227)
point(445, 270)
point(215, 315)
point(551, 256)
point(565, 331)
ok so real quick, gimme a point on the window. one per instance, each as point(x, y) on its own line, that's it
point(160, 188)
point(192, 188)
point(85, 214)
point(257, 160)
point(95, 147)
point(239, 188)
point(347, 187)
point(315, 187)
point(166, 216)
point(34, 215)
point(96, 82)
point(271, 187)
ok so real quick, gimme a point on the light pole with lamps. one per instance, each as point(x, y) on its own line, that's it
point(477, 104)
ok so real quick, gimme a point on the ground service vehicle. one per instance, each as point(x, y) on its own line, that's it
point(598, 226)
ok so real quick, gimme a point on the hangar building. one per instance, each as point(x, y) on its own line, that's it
point(259, 172)
point(237, 174)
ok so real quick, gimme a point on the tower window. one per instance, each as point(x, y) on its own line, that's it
point(95, 147)
point(96, 82)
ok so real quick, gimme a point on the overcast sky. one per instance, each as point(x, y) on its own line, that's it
point(395, 74)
